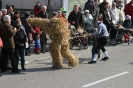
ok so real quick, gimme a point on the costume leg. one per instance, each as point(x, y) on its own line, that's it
point(55, 50)
point(67, 54)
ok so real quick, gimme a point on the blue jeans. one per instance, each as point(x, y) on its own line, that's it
point(20, 54)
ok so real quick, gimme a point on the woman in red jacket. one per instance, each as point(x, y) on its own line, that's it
point(37, 8)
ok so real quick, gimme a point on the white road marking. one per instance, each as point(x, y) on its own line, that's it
point(99, 81)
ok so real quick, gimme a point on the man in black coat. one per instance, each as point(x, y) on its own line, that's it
point(76, 18)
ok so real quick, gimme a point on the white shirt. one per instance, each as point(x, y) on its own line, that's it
point(114, 14)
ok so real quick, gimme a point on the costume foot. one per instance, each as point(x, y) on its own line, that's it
point(57, 67)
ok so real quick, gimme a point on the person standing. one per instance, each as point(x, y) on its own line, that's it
point(0, 17)
point(107, 19)
point(4, 12)
point(102, 36)
point(129, 9)
point(76, 18)
point(10, 13)
point(114, 13)
point(7, 33)
point(20, 40)
point(89, 5)
point(43, 39)
point(37, 8)
point(29, 31)
point(96, 11)
point(120, 7)
point(101, 5)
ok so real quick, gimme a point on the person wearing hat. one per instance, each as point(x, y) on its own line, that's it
point(7, 33)
point(62, 14)
point(128, 22)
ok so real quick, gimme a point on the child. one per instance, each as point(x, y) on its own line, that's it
point(37, 40)
point(94, 44)
point(128, 22)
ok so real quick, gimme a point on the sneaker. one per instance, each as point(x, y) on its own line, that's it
point(92, 62)
point(105, 58)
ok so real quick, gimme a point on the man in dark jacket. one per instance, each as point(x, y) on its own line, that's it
point(8, 51)
point(76, 18)
point(29, 31)
point(43, 38)
point(89, 6)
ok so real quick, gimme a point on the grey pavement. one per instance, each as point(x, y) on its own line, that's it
point(114, 73)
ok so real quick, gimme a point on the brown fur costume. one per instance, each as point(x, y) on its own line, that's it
point(59, 34)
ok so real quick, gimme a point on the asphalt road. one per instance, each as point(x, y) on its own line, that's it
point(117, 72)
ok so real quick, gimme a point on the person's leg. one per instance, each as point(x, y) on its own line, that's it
point(104, 50)
point(22, 58)
point(4, 59)
point(17, 56)
point(29, 48)
point(13, 61)
point(100, 43)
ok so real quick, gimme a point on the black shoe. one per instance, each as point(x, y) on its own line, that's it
point(16, 72)
point(105, 58)
point(2, 71)
point(92, 62)
point(0, 75)
point(23, 69)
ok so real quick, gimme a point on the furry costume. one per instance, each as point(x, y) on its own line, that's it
point(59, 34)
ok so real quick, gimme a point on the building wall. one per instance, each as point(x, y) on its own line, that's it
point(29, 4)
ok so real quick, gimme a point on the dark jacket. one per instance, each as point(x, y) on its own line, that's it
point(106, 17)
point(128, 24)
point(28, 28)
point(89, 6)
point(42, 15)
point(101, 6)
point(96, 13)
point(6, 34)
point(78, 18)
point(19, 38)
